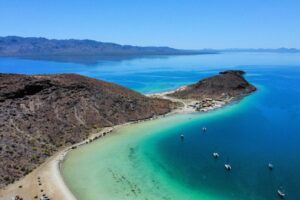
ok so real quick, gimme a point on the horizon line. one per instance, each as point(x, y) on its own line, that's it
point(192, 49)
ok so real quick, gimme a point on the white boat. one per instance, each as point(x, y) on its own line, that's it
point(270, 166)
point(216, 155)
point(182, 136)
point(228, 167)
point(281, 194)
point(204, 129)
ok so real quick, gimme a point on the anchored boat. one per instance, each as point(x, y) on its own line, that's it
point(182, 137)
point(270, 166)
point(228, 167)
point(216, 155)
point(281, 194)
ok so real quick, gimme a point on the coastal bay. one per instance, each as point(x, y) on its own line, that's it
point(248, 134)
point(228, 84)
point(128, 164)
point(260, 129)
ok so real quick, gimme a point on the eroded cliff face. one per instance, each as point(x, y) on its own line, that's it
point(226, 85)
point(39, 114)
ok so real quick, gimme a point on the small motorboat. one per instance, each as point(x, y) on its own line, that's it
point(270, 166)
point(216, 155)
point(204, 129)
point(182, 137)
point(281, 194)
point(228, 167)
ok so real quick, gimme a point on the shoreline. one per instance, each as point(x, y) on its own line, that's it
point(47, 178)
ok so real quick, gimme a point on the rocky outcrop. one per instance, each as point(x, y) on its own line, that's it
point(213, 92)
point(40, 114)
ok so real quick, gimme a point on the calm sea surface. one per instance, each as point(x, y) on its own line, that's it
point(148, 160)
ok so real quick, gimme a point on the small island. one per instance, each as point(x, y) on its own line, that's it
point(213, 92)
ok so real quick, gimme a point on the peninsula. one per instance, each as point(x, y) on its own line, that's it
point(43, 115)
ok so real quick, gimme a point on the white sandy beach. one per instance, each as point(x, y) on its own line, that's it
point(51, 182)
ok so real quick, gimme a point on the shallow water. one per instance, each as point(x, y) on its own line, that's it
point(149, 161)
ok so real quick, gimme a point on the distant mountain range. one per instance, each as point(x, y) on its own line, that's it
point(42, 48)
point(278, 50)
point(91, 51)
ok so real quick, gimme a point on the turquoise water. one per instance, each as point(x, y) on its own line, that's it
point(148, 160)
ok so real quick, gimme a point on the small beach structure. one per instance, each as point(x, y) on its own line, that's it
point(228, 167)
point(216, 155)
point(44, 197)
point(270, 166)
point(281, 194)
point(17, 197)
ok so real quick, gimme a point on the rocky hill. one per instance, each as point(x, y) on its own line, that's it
point(40, 114)
point(216, 91)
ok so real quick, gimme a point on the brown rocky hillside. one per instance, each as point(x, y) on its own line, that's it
point(39, 114)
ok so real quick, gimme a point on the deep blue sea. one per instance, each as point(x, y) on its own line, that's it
point(263, 128)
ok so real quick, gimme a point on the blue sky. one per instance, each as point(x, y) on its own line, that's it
point(189, 24)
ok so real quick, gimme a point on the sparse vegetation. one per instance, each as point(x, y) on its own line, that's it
point(38, 116)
